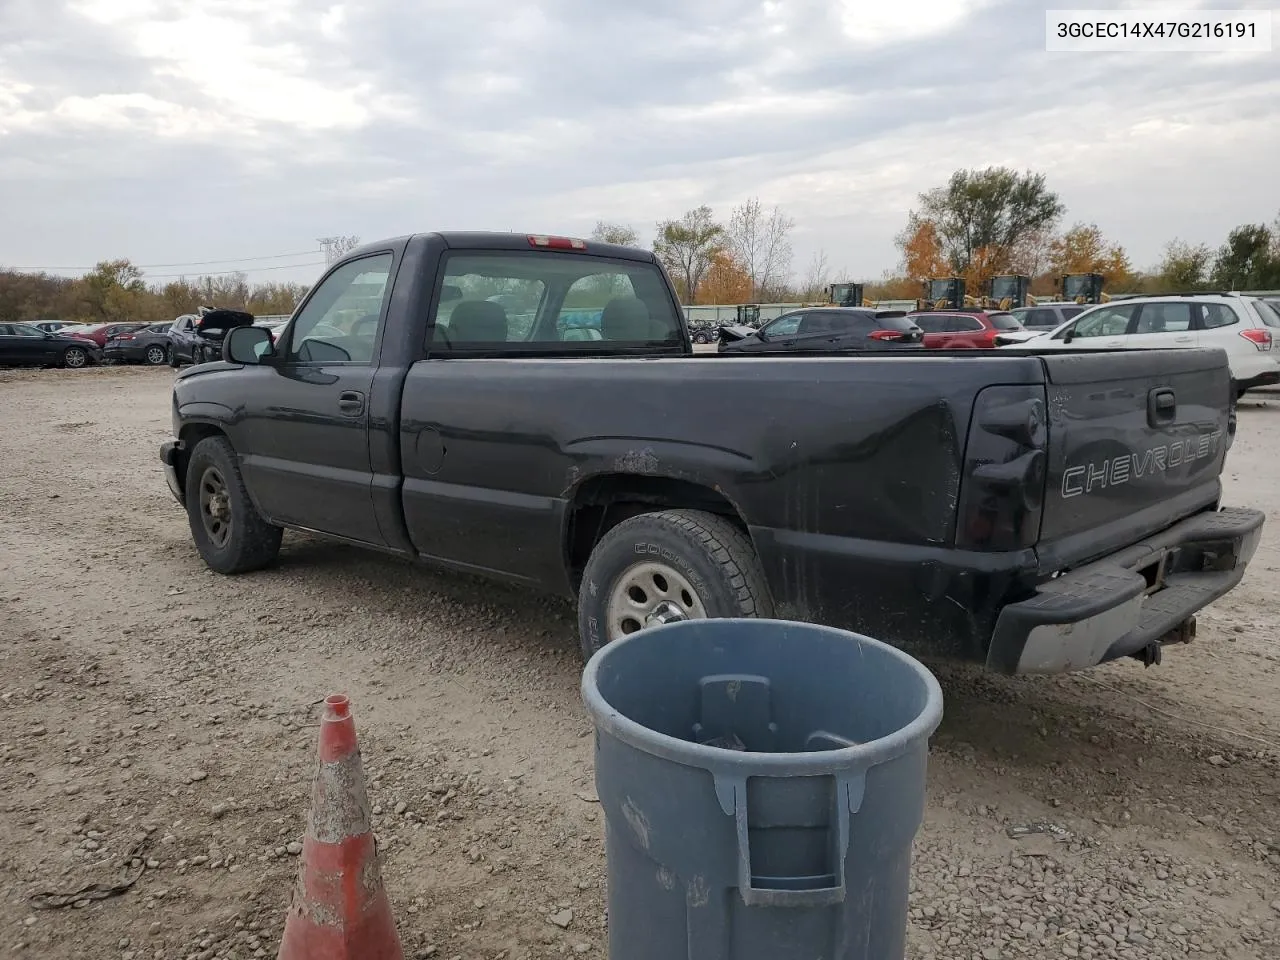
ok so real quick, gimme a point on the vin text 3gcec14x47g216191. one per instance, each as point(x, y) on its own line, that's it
point(520, 407)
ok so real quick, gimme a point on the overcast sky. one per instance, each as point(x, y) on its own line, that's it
point(173, 131)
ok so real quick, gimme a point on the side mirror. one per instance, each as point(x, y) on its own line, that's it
point(247, 345)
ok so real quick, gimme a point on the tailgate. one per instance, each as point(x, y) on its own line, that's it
point(1137, 440)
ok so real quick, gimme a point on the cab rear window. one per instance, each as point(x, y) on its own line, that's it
point(543, 301)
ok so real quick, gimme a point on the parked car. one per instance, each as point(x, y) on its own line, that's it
point(53, 326)
point(1038, 320)
point(824, 329)
point(100, 333)
point(22, 345)
point(1035, 512)
point(963, 329)
point(148, 344)
point(1243, 326)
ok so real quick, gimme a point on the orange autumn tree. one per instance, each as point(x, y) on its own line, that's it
point(1083, 249)
point(725, 282)
point(921, 249)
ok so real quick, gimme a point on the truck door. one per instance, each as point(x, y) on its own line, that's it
point(306, 416)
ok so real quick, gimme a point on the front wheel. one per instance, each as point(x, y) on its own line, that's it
point(73, 358)
point(229, 532)
point(662, 567)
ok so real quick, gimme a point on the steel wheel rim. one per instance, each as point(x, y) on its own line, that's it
point(648, 594)
point(215, 506)
point(155, 355)
point(75, 357)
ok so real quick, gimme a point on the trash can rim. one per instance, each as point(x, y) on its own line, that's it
point(817, 762)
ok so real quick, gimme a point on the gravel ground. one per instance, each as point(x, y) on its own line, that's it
point(158, 727)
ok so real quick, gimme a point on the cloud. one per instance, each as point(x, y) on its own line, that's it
point(163, 129)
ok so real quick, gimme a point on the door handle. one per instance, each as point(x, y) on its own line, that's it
point(1183, 339)
point(1162, 406)
point(351, 402)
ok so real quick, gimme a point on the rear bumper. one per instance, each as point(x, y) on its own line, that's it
point(1264, 379)
point(170, 453)
point(1128, 601)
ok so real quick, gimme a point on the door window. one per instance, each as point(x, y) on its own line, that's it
point(930, 324)
point(22, 330)
point(340, 322)
point(1102, 322)
point(1164, 318)
point(786, 326)
point(958, 324)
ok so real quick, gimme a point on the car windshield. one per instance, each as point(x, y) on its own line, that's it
point(1004, 321)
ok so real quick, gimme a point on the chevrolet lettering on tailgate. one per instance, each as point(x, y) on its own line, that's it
point(1100, 474)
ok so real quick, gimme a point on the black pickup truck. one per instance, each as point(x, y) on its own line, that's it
point(519, 407)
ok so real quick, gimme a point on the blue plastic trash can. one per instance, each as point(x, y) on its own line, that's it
point(762, 783)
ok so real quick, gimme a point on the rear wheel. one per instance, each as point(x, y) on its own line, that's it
point(156, 355)
point(229, 532)
point(73, 358)
point(662, 567)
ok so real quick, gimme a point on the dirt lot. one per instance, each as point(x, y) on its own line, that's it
point(156, 721)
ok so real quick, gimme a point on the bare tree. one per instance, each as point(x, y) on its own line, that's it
point(761, 244)
point(622, 234)
point(335, 248)
point(686, 248)
point(817, 276)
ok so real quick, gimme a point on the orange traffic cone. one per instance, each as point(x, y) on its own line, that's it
point(340, 910)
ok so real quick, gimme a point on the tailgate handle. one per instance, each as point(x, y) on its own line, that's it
point(1162, 406)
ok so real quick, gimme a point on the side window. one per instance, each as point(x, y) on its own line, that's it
point(1040, 318)
point(957, 324)
point(819, 324)
point(1216, 315)
point(784, 326)
point(340, 322)
point(930, 324)
point(544, 301)
point(1069, 312)
point(1164, 318)
point(1103, 322)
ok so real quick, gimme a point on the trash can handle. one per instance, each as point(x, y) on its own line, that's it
point(731, 791)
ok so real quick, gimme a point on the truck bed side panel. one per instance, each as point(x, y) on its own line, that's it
point(494, 449)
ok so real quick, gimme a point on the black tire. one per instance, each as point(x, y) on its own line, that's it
point(236, 539)
point(155, 355)
point(710, 553)
point(75, 358)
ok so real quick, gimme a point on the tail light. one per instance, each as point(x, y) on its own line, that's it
point(886, 335)
point(1005, 469)
point(1259, 338)
point(124, 336)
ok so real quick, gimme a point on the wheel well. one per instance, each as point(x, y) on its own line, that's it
point(603, 502)
point(190, 435)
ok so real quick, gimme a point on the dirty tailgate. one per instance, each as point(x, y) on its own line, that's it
point(1137, 442)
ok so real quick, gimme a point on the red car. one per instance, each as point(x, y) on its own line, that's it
point(963, 329)
point(101, 333)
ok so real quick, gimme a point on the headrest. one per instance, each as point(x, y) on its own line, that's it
point(478, 321)
point(627, 318)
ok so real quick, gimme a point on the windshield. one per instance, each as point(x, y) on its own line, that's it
point(1004, 321)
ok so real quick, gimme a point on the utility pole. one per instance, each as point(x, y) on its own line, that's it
point(329, 245)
